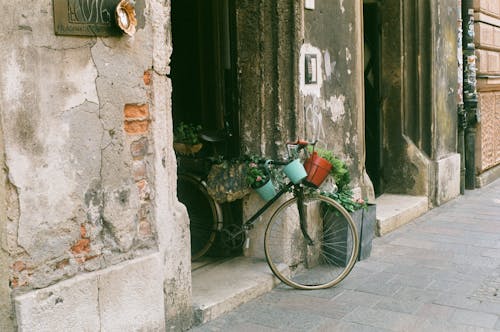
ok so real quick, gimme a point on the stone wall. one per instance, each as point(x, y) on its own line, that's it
point(90, 172)
point(333, 105)
point(418, 99)
point(487, 40)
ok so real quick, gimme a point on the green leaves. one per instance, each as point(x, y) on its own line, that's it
point(187, 133)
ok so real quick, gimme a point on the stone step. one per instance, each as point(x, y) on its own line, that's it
point(393, 211)
point(219, 288)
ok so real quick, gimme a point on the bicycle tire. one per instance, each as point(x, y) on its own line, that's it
point(335, 243)
point(204, 213)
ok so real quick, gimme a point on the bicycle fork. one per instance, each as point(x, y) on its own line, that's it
point(302, 216)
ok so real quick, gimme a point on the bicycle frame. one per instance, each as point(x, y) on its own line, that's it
point(298, 191)
point(253, 219)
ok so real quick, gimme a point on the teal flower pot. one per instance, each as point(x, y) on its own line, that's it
point(295, 171)
point(267, 191)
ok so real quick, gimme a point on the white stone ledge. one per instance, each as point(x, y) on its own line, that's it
point(125, 297)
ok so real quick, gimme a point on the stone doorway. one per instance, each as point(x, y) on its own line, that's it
point(203, 77)
point(373, 119)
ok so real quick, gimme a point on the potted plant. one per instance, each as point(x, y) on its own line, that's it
point(258, 178)
point(363, 214)
point(317, 167)
point(186, 138)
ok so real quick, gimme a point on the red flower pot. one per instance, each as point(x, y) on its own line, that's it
point(317, 169)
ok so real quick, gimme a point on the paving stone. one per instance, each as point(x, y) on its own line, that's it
point(421, 281)
point(457, 301)
point(474, 318)
point(358, 298)
point(380, 318)
point(435, 312)
point(399, 305)
point(348, 327)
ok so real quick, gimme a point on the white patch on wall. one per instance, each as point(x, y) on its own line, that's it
point(84, 78)
point(309, 4)
point(347, 55)
point(314, 119)
point(342, 9)
point(336, 107)
point(13, 78)
point(313, 89)
point(328, 66)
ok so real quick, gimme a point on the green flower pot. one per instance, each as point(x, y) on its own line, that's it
point(295, 171)
point(267, 191)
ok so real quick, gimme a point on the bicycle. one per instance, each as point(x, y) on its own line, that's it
point(205, 214)
point(310, 241)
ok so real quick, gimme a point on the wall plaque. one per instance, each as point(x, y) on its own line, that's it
point(85, 17)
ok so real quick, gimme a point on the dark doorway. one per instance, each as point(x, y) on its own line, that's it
point(371, 13)
point(203, 73)
point(203, 67)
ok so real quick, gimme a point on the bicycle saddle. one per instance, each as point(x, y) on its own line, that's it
point(213, 136)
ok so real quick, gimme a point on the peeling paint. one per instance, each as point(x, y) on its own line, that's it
point(328, 66)
point(12, 79)
point(336, 107)
point(347, 55)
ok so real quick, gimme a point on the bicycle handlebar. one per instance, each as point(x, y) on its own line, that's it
point(302, 143)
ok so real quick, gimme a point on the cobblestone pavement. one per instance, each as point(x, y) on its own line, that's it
point(441, 272)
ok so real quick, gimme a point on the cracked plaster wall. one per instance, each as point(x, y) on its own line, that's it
point(78, 123)
point(333, 106)
point(6, 323)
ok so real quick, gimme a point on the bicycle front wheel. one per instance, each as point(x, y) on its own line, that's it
point(320, 264)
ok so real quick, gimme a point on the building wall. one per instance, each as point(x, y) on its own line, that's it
point(6, 322)
point(487, 40)
point(275, 104)
point(89, 193)
point(267, 51)
point(333, 106)
point(419, 88)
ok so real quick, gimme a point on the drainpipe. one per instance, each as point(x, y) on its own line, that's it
point(471, 115)
point(460, 99)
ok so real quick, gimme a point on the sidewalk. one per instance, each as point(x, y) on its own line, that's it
point(440, 272)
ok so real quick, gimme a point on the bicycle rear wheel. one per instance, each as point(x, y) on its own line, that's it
point(329, 258)
point(204, 214)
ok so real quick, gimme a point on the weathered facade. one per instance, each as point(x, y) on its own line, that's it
point(90, 225)
point(92, 236)
point(486, 163)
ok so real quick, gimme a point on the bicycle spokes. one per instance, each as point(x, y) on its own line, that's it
point(311, 242)
point(233, 236)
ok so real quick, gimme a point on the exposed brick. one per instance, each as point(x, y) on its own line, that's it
point(144, 211)
point(135, 127)
point(18, 266)
point(136, 111)
point(83, 231)
point(14, 282)
point(144, 189)
point(139, 170)
point(144, 228)
point(82, 246)
point(147, 77)
point(139, 148)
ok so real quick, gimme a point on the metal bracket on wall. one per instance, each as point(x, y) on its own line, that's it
point(311, 70)
point(85, 18)
point(309, 4)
